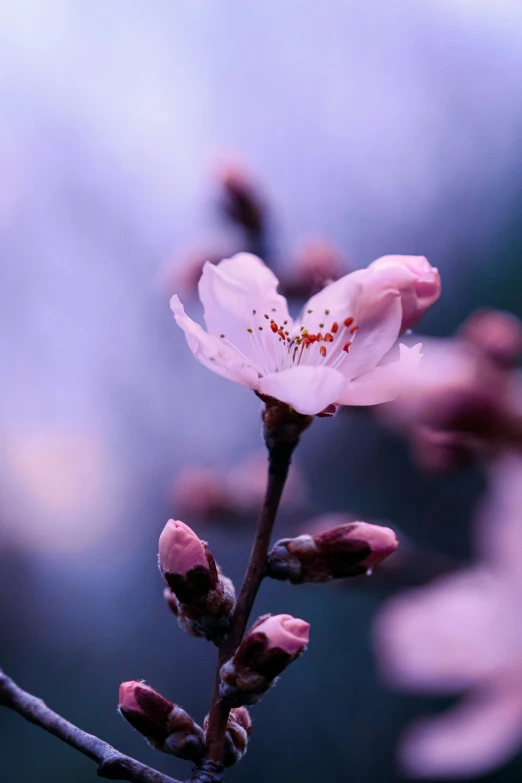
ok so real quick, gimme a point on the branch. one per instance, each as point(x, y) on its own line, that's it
point(112, 764)
point(282, 432)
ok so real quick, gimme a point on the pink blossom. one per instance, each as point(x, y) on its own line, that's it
point(381, 540)
point(180, 549)
point(463, 633)
point(329, 356)
point(417, 281)
point(285, 632)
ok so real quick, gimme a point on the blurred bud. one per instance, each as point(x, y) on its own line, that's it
point(498, 334)
point(239, 728)
point(242, 202)
point(317, 263)
point(417, 281)
point(273, 642)
point(351, 549)
point(163, 724)
point(200, 596)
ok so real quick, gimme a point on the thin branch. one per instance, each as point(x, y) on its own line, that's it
point(112, 764)
point(281, 441)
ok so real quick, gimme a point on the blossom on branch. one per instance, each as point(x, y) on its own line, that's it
point(329, 356)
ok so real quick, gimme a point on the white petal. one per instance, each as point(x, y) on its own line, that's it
point(472, 739)
point(305, 388)
point(212, 352)
point(236, 294)
point(383, 383)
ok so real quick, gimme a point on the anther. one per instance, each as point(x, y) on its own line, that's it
point(249, 331)
point(260, 328)
point(221, 335)
point(335, 327)
point(353, 329)
point(327, 312)
point(266, 316)
point(254, 312)
point(346, 346)
point(328, 338)
point(348, 321)
point(321, 326)
point(323, 351)
point(309, 311)
point(273, 327)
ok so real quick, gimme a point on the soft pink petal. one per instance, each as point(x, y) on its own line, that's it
point(474, 738)
point(306, 388)
point(383, 383)
point(212, 352)
point(448, 635)
point(416, 279)
point(236, 294)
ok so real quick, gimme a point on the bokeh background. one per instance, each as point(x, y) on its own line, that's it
point(386, 127)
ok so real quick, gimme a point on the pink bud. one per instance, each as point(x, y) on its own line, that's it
point(417, 281)
point(285, 632)
point(496, 333)
point(381, 540)
point(146, 710)
point(180, 550)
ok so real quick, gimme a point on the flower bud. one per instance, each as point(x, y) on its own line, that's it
point(200, 596)
point(351, 549)
point(239, 728)
point(273, 642)
point(496, 333)
point(417, 281)
point(164, 725)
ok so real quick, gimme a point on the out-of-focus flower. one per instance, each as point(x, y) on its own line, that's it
point(164, 725)
point(466, 401)
point(242, 200)
point(463, 633)
point(271, 644)
point(348, 550)
point(416, 279)
point(328, 357)
point(204, 492)
point(316, 263)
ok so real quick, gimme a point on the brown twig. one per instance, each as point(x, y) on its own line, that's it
point(282, 431)
point(112, 764)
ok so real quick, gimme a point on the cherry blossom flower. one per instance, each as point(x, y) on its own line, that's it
point(329, 356)
point(463, 633)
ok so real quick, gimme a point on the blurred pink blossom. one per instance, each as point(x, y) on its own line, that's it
point(239, 490)
point(463, 632)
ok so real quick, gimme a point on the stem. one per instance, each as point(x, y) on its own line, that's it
point(282, 431)
point(112, 764)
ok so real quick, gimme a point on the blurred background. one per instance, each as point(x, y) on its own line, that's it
point(368, 128)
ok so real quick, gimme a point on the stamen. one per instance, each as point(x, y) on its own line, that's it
point(254, 312)
point(328, 338)
point(309, 311)
point(348, 322)
point(319, 336)
point(273, 327)
point(322, 349)
point(321, 326)
point(327, 312)
point(273, 310)
point(353, 329)
point(266, 316)
point(260, 328)
point(304, 331)
point(221, 335)
point(335, 327)
point(250, 331)
point(281, 334)
point(346, 346)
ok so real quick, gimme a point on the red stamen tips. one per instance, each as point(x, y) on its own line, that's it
point(273, 327)
point(335, 327)
point(267, 316)
point(348, 322)
point(346, 346)
point(328, 338)
point(353, 329)
point(281, 334)
point(323, 351)
point(319, 337)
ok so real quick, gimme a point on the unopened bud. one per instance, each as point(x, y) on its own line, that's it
point(239, 728)
point(496, 333)
point(200, 596)
point(164, 725)
point(351, 549)
point(273, 642)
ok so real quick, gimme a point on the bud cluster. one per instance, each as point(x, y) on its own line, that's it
point(348, 550)
point(164, 725)
point(271, 644)
point(198, 593)
point(239, 728)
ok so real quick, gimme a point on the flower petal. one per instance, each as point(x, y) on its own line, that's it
point(236, 294)
point(308, 389)
point(212, 352)
point(469, 740)
point(383, 383)
point(448, 635)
